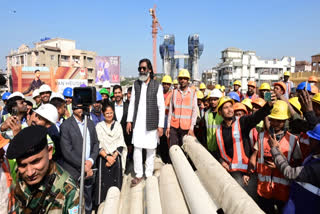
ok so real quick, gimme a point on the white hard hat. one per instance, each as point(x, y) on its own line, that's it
point(16, 94)
point(56, 95)
point(216, 93)
point(49, 112)
point(35, 93)
point(106, 84)
point(44, 88)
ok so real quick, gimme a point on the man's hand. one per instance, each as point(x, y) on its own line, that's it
point(15, 125)
point(168, 132)
point(128, 129)
point(273, 99)
point(89, 173)
point(273, 142)
point(6, 124)
point(306, 102)
point(160, 132)
point(225, 165)
point(190, 132)
point(270, 164)
point(87, 166)
point(246, 179)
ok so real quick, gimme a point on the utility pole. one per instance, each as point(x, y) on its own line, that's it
point(155, 25)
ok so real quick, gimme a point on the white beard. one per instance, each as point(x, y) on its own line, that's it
point(143, 77)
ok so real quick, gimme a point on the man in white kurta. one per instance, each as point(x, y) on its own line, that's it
point(142, 138)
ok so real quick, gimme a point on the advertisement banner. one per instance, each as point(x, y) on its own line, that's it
point(108, 68)
point(63, 83)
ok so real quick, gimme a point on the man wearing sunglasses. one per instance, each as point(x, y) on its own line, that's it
point(145, 119)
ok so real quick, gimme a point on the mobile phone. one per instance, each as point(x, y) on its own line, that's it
point(267, 96)
point(271, 131)
point(14, 112)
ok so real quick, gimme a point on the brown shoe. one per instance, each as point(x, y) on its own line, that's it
point(136, 181)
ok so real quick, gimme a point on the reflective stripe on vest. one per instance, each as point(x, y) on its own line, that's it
point(253, 135)
point(304, 139)
point(264, 178)
point(311, 188)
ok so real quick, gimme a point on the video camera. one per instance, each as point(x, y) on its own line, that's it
point(84, 96)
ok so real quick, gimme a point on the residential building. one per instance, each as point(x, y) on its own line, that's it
point(315, 62)
point(209, 76)
point(303, 66)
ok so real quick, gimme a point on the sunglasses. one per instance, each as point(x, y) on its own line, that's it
point(142, 68)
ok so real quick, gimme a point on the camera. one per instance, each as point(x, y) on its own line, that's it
point(84, 96)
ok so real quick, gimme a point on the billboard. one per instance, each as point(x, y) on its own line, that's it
point(56, 78)
point(108, 68)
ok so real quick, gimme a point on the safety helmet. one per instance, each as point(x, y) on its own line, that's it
point(200, 95)
point(302, 86)
point(252, 83)
point(5, 95)
point(224, 100)
point(282, 85)
point(280, 111)
point(167, 79)
point(315, 133)
point(259, 101)
point(216, 93)
point(237, 82)
point(234, 95)
point(49, 112)
point(106, 84)
point(44, 88)
point(314, 89)
point(202, 86)
point(175, 82)
point(265, 86)
point(247, 102)
point(56, 95)
point(98, 97)
point(240, 106)
point(16, 94)
point(222, 88)
point(184, 73)
point(35, 93)
point(312, 79)
point(104, 91)
point(294, 101)
point(111, 94)
point(218, 86)
point(67, 92)
point(316, 98)
point(286, 73)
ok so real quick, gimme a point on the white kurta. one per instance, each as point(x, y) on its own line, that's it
point(141, 137)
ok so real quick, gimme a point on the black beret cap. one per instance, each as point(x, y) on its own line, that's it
point(28, 142)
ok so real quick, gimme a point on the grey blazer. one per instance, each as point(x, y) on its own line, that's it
point(71, 145)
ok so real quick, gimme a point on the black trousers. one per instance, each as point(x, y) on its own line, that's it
point(176, 136)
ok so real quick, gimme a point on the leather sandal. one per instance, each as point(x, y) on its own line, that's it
point(136, 181)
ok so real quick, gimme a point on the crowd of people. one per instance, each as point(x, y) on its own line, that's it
point(268, 139)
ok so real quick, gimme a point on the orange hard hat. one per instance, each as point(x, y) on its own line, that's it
point(314, 89)
point(312, 79)
point(3, 141)
point(240, 106)
point(259, 101)
point(282, 85)
point(252, 83)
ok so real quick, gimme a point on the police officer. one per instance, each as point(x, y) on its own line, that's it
point(42, 185)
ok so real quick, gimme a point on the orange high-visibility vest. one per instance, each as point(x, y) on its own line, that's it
point(253, 136)
point(239, 161)
point(167, 99)
point(6, 170)
point(182, 109)
point(271, 183)
point(304, 145)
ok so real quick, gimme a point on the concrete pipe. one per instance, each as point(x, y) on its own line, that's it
point(100, 208)
point(124, 195)
point(136, 198)
point(221, 186)
point(153, 201)
point(111, 205)
point(172, 200)
point(198, 199)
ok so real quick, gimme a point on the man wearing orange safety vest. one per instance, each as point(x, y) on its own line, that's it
point(273, 187)
point(233, 140)
point(289, 84)
point(183, 110)
point(251, 93)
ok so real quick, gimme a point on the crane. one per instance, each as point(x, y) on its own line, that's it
point(155, 25)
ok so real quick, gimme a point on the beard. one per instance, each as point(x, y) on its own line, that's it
point(144, 76)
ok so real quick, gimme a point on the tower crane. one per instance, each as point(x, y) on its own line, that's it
point(155, 25)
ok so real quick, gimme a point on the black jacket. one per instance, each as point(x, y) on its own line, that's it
point(123, 122)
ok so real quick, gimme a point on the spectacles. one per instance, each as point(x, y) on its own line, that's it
point(109, 113)
point(142, 68)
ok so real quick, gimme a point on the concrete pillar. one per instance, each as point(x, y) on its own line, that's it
point(124, 196)
point(153, 196)
point(198, 199)
point(172, 200)
point(218, 182)
point(136, 199)
point(111, 205)
point(100, 208)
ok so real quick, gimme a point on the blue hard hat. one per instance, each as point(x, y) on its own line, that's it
point(315, 133)
point(98, 97)
point(6, 95)
point(234, 95)
point(67, 92)
point(302, 86)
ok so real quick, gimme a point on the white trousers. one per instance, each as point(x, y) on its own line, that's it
point(138, 165)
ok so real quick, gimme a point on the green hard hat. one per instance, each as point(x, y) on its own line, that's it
point(104, 91)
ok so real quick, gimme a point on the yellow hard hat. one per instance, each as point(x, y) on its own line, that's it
point(175, 82)
point(167, 79)
point(316, 98)
point(237, 82)
point(208, 95)
point(280, 111)
point(202, 86)
point(247, 102)
point(295, 102)
point(218, 86)
point(184, 73)
point(200, 95)
point(265, 86)
point(224, 100)
point(286, 73)
point(222, 88)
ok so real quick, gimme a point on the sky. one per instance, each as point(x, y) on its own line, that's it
point(273, 28)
